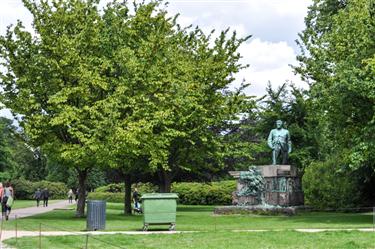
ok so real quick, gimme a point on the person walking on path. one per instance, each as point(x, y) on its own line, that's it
point(37, 196)
point(45, 195)
point(7, 200)
point(70, 196)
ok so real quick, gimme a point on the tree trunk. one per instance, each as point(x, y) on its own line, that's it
point(165, 182)
point(128, 192)
point(82, 176)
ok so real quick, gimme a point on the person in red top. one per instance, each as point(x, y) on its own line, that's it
point(1, 191)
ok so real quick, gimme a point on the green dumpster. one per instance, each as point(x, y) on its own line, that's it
point(159, 209)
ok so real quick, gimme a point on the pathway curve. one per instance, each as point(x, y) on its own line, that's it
point(26, 212)
point(30, 211)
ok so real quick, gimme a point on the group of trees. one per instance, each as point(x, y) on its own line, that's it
point(123, 87)
point(338, 61)
point(333, 122)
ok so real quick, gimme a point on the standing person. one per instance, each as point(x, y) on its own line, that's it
point(1, 191)
point(37, 196)
point(70, 195)
point(77, 193)
point(7, 200)
point(136, 200)
point(45, 195)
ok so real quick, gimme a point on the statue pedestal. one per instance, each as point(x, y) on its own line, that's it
point(282, 187)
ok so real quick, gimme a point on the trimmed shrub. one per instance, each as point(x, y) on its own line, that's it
point(214, 193)
point(328, 185)
point(110, 197)
point(119, 187)
point(24, 189)
point(57, 190)
point(111, 188)
point(189, 193)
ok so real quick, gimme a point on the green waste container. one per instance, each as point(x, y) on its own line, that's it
point(159, 209)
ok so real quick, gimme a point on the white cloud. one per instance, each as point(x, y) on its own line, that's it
point(282, 8)
point(266, 55)
point(268, 62)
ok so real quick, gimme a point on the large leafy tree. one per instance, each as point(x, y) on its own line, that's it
point(337, 59)
point(172, 101)
point(54, 80)
point(124, 87)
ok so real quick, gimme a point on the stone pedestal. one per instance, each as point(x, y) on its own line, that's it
point(282, 187)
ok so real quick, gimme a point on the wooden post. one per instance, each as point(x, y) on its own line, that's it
point(16, 228)
point(1, 231)
point(87, 241)
point(40, 235)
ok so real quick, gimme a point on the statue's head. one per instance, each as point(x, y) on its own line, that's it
point(279, 124)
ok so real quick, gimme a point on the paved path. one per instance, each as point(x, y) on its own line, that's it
point(26, 212)
point(30, 211)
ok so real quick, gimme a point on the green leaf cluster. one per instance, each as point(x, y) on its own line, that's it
point(338, 49)
point(123, 86)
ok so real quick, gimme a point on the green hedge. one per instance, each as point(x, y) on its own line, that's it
point(214, 193)
point(328, 185)
point(119, 187)
point(110, 197)
point(189, 193)
point(25, 189)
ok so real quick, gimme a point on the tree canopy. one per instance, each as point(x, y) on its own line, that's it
point(120, 85)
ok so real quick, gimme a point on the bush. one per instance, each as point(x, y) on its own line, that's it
point(120, 188)
point(328, 185)
point(24, 189)
point(214, 193)
point(110, 197)
point(111, 188)
point(189, 193)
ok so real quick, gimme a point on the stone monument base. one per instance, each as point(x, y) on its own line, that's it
point(282, 187)
point(255, 209)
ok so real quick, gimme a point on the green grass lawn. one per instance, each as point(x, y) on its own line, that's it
point(29, 203)
point(196, 218)
point(212, 240)
point(213, 231)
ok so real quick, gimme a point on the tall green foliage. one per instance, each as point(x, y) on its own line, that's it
point(172, 101)
point(126, 87)
point(291, 105)
point(338, 60)
point(17, 158)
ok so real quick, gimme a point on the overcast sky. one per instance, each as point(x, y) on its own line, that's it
point(273, 24)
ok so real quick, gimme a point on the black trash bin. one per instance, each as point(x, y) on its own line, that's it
point(96, 215)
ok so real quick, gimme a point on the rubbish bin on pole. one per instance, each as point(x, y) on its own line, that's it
point(159, 209)
point(95, 215)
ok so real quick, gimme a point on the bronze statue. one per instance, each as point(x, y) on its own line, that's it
point(279, 142)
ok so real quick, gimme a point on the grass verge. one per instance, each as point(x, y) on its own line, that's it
point(207, 240)
point(195, 218)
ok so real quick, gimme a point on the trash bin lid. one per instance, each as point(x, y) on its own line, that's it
point(160, 196)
